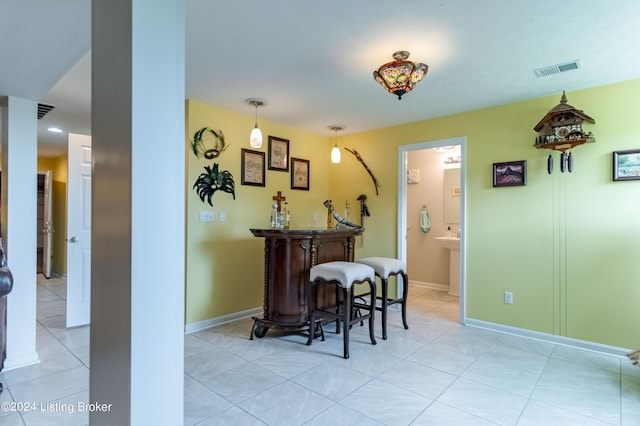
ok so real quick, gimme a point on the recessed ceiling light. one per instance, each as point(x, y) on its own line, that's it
point(54, 130)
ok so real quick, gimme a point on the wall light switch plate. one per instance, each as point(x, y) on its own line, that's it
point(206, 216)
point(222, 216)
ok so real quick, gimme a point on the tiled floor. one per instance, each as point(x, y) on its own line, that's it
point(436, 373)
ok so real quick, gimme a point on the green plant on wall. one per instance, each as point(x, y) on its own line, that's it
point(208, 143)
point(213, 180)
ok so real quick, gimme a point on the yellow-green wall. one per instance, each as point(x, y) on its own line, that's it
point(224, 261)
point(564, 244)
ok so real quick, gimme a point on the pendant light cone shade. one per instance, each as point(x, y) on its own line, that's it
point(255, 138)
point(400, 76)
point(335, 152)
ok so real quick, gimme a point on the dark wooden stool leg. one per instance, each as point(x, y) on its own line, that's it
point(338, 292)
point(311, 306)
point(372, 311)
point(346, 320)
point(385, 301)
point(405, 291)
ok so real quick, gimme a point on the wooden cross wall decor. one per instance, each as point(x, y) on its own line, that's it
point(279, 199)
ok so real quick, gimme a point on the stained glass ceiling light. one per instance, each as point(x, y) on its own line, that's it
point(400, 76)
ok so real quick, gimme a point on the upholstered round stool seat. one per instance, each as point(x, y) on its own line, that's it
point(385, 267)
point(343, 275)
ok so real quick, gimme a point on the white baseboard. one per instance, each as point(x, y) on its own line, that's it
point(434, 286)
point(212, 322)
point(21, 361)
point(558, 340)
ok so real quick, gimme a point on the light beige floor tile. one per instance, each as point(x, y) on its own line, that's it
point(484, 401)
point(400, 406)
point(201, 403)
point(234, 416)
point(241, 382)
point(339, 415)
point(286, 404)
point(536, 414)
point(476, 377)
point(333, 380)
point(438, 414)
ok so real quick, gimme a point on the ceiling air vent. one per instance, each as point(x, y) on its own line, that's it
point(557, 69)
point(43, 109)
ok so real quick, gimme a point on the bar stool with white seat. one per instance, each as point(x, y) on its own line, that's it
point(385, 267)
point(344, 275)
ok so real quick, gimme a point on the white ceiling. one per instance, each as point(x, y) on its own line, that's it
point(312, 60)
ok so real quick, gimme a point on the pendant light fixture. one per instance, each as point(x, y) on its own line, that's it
point(335, 152)
point(255, 139)
point(400, 75)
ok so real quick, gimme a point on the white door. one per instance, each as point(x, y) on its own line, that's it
point(79, 230)
point(46, 226)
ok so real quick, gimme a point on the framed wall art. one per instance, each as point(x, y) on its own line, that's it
point(299, 174)
point(252, 167)
point(278, 154)
point(510, 173)
point(626, 165)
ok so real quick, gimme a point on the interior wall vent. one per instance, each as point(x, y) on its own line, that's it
point(43, 109)
point(557, 69)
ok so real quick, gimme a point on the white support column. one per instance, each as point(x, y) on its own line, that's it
point(19, 189)
point(137, 291)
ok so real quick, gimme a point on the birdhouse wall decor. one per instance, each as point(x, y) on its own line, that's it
point(561, 130)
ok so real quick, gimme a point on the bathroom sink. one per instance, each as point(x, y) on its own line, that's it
point(452, 243)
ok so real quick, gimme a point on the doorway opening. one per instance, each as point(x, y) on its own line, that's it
point(407, 217)
point(43, 224)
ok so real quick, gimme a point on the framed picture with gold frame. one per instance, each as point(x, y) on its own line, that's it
point(299, 174)
point(278, 154)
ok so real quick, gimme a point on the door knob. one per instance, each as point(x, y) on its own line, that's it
point(73, 240)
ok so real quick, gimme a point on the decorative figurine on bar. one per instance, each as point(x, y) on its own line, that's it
point(329, 207)
point(331, 213)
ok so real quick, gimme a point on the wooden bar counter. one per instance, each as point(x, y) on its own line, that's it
point(289, 254)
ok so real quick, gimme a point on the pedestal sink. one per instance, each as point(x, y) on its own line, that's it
point(453, 244)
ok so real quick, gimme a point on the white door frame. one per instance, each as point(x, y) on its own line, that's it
point(403, 150)
point(46, 225)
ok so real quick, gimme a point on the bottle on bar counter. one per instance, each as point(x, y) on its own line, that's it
point(274, 217)
point(287, 215)
point(347, 211)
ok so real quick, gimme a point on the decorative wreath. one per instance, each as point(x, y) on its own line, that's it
point(206, 137)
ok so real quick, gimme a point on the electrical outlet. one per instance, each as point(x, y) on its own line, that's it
point(206, 216)
point(508, 298)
